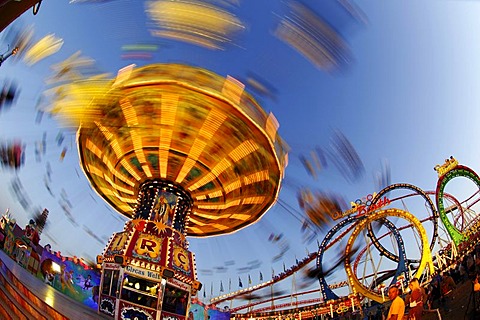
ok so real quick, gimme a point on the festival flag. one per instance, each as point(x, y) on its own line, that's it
point(261, 276)
point(240, 282)
point(221, 286)
point(249, 280)
point(204, 293)
point(284, 268)
point(296, 260)
point(229, 284)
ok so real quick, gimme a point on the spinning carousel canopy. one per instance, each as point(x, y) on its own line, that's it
point(182, 125)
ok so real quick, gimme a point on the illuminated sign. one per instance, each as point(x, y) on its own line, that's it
point(180, 259)
point(147, 247)
point(363, 206)
point(341, 308)
point(363, 209)
point(447, 166)
point(178, 284)
point(143, 273)
point(117, 245)
point(111, 266)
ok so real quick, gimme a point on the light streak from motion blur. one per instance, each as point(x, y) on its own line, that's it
point(312, 37)
point(196, 22)
point(44, 48)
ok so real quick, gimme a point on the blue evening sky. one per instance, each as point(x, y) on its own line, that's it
point(410, 96)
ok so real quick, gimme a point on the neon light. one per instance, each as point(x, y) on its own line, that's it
point(458, 171)
point(426, 260)
point(362, 208)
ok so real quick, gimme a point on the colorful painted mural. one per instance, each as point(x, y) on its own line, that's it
point(71, 277)
point(164, 208)
point(198, 311)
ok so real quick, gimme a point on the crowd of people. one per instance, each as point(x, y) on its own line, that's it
point(434, 296)
point(299, 264)
point(438, 294)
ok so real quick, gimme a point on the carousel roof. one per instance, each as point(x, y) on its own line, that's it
point(181, 124)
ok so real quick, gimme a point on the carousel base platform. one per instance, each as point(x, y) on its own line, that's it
point(23, 296)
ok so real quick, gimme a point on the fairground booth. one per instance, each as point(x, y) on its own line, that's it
point(147, 269)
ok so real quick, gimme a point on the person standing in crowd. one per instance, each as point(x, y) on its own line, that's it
point(435, 293)
point(448, 283)
point(397, 308)
point(476, 284)
point(470, 264)
point(447, 286)
point(415, 300)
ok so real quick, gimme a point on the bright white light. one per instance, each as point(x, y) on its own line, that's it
point(55, 267)
point(50, 297)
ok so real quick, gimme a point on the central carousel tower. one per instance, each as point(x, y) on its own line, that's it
point(180, 151)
